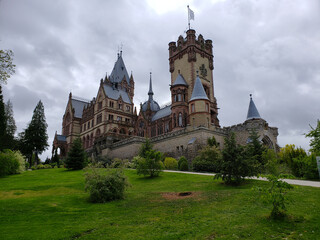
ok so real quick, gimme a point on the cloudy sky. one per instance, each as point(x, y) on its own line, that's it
point(269, 48)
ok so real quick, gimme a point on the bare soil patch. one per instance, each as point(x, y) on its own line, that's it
point(181, 195)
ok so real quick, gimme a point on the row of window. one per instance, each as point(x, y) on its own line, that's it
point(179, 97)
point(111, 105)
point(89, 124)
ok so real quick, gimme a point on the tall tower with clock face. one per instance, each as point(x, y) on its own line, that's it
point(191, 58)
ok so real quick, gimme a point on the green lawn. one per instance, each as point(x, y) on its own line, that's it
point(52, 204)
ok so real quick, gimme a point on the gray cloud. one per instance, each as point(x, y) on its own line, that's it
point(268, 48)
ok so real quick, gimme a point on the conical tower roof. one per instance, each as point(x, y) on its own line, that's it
point(180, 81)
point(252, 111)
point(152, 104)
point(119, 71)
point(198, 91)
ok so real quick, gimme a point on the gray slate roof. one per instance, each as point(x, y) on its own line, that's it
point(78, 106)
point(198, 91)
point(154, 106)
point(252, 111)
point(180, 81)
point(61, 138)
point(163, 112)
point(119, 71)
point(114, 93)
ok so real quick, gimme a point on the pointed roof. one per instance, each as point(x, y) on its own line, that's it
point(150, 93)
point(78, 105)
point(119, 71)
point(198, 91)
point(252, 111)
point(180, 81)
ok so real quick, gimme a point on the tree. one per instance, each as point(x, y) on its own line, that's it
point(255, 149)
point(3, 121)
point(7, 68)
point(76, 158)
point(36, 135)
point(11, 123)
point(150, 165)
point(314, 134)
point(145, 147)
point(234, 166)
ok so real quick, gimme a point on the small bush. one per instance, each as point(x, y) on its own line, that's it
point(116, 163)
point(183, 164)
point(105, 184)
point(170, 163)
point(207, 160)
point(305, 167)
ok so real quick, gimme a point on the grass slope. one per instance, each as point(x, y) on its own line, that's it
point(52, 204)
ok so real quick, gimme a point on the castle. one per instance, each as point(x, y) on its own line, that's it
point(109, 123)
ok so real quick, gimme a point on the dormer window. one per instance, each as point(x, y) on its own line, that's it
point(119, 106)
point(99, 105)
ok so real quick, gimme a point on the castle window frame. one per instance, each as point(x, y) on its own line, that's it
point(84, 127)
point(179, 97)
point(127, 120)
point(111, 104)
point(119, 119)
point(110, 117)
point(92, 123)
point(128, 108)
point(120, 106)
point(89, 125)
point(100, 105)
point(192, 108)
point(180, 120)
point(99, 118)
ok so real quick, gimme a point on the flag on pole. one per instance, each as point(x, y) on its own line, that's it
point(191, 14)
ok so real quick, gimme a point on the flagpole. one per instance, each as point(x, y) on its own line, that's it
point(188, 17)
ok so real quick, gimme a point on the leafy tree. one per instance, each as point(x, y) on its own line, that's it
point(213, 142)
point(314, 134)
point(207, 160)
point(151, 165)
point(36, 135)
point(7, 68)
point(183, 164)
point(3, 121)
point(76, 158)
point(234, 165)
point(255, 149)
point(170, 163)
point(289, 152)
point(145, 147)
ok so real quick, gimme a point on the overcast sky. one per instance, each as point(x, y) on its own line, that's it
point(269, 48)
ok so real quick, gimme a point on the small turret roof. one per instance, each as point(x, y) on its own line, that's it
point(119, 71)
point(180, 81)
point(198, 91)
point(252, 111)
point(154, 106)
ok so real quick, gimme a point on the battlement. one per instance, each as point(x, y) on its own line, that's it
point(190, 40)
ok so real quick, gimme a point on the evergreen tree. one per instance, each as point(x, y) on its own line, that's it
point(145, 147)
point(234, 165)
point(76, 158)
point(35, 135)
point(3, 121)
point(11, 127)
point(254, 149)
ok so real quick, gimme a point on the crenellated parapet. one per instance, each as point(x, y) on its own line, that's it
point(190, 46)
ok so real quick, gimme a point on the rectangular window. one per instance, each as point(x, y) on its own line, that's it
point(119, 119)
point(88, 125)
point(92, 123)
point(127, 120)
point(110, 117)
point(179, 97)
point(119, 106)
point(192, 108)
point(99, 118)
point(99, 105)
point(128, 108)
point(111, 104)
point(84, 127)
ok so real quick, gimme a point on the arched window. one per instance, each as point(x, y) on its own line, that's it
point(180, 120)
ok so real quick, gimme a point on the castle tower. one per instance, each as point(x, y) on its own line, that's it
point(179, 100)
point(191, 54)
point(252, 111)
point(199, 106)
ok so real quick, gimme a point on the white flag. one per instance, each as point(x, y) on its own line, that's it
point(191, 14)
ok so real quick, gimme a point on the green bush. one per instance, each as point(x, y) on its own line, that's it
point(207, 160)
point(11, 162)
point(43, 166)
point(105, 185)
point(116, 163)
point(170, 163)
point(305, 167)
point(151, 165)
point(183, 164)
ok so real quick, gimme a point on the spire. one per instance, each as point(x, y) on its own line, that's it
point(252, 111)
point(150, 93)
point(198, 90)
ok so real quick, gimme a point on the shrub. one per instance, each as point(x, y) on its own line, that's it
point(76, 158)
point(150, 165)
point(207, 160)
point(183, 164)
point(170, 163)
point(105, 185)
point(276, 195)
point(11, 162)
point(305, 167)
point(116, 163)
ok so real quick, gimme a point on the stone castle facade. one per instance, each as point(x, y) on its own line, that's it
point(109, 123)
